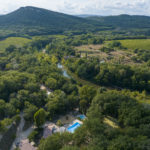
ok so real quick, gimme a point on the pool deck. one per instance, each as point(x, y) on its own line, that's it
point(67, 121)
point(80, 122)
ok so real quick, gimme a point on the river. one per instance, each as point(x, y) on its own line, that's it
point(65, 74)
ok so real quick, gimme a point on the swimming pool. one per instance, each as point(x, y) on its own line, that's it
point(82, 117)
point(72, 128)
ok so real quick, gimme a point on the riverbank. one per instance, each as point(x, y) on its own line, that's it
point(79, 80)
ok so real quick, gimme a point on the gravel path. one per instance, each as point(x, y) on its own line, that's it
point(20, 134)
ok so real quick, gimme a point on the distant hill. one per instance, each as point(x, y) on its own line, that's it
point(37, 21)
point(123, 21)
point(87, 15)
point(37, 16)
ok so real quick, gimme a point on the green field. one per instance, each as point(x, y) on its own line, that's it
point(136, 43)
point(17, 41)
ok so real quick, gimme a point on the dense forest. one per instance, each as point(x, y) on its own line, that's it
point(121, 76)
point(80, 67)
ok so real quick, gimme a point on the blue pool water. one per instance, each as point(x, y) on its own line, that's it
point(72, 128)
point(82, 117)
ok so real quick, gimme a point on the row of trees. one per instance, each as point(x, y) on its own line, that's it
point(111, 74)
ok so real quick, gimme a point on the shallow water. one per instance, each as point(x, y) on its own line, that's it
point(65, 74)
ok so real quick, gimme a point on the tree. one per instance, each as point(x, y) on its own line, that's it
point(33, 135)
point(2, 127)
point(10, 49)
point(70, 148)
point(87, 93)
point(57, 103)
point(2, 109)
point(10, 110)
point(29, 110)
point(130, 114)
point(15, 102)
point(59, 123)
point(32, 87)
point(51, 83)
point(83, 106)
point(73, 100)
point(115, 44)
point(39, 117)
point(121, 143)
point(69, 88)
point(55, 142)
point(54, 60)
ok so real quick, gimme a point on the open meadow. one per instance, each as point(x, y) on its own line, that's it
point(17, 41)
point(136, 43)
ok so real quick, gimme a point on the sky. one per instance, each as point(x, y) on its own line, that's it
point(95, 7)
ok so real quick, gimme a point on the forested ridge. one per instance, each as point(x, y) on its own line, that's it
point(31, 21)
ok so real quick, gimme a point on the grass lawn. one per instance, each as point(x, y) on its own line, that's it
point(111, 122)
point(17, 41)
point(136, 43)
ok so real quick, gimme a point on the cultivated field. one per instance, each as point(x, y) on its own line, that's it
point(17, 41)
point(136, 44)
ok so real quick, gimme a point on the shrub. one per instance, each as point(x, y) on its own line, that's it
point(32, 136)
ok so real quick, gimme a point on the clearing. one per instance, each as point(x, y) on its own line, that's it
point(136, 43)
point(111, 122)
point(17, 41)
point(116, 56)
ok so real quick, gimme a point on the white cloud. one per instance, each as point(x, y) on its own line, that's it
point(100, 7)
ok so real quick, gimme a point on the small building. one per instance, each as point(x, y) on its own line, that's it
point(49, 130)
point(60, 130)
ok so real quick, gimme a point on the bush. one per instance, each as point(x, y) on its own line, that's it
point(32, 136)
point(59, 123)
point(39, 117)
point(17, 119)
point(106, 49)
point(115, 44)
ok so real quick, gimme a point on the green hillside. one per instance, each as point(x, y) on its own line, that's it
point(37, 16)
point(36, 21)
point(123, 21)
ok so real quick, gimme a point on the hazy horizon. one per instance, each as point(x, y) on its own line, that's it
point(82, 7)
